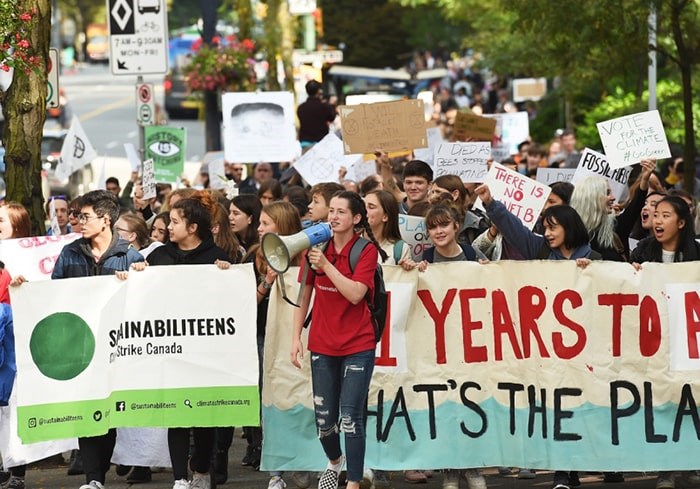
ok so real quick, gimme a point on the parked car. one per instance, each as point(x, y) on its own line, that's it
point(179, 102)
point(79, 182)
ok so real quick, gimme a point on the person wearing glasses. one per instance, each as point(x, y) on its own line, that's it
point(101, 251)
point(61, 204)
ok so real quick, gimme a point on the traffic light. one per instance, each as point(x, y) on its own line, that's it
point(318, 21)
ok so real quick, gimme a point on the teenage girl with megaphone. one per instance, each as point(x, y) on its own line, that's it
point(341, 338)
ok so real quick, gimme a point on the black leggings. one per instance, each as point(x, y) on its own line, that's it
point(179, 446)
point(97, 453)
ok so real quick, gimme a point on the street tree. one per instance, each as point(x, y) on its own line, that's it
point(25, 30)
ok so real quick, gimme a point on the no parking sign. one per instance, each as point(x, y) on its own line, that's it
point(145, 104)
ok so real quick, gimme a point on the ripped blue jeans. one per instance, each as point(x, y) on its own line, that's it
point(340, 386)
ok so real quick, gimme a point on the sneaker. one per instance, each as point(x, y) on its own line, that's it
point(200, 481)
point(613, 477)
point(367, 479)
point(92, 485)
point(665, 481)
point(301, 479)
point(76, 463)
point(122, 470)
point(560, 485)
point(474, 479)
point(247, 460)
point(526, 474)
point(139, 475)
point(329, 479)
point(690, 478)
point(381, 480)
point(451, 479)
point(415, 477)
point(15, 483)
point(181, 484)
point(276, 482)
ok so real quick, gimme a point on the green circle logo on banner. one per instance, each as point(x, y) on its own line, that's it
point(62, 345)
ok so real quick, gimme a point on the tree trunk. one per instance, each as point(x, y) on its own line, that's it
point(244, 9)
point(212, 120)
point(24, 108)
point(273, 43)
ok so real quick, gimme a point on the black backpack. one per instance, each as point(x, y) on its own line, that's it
point(379, 302)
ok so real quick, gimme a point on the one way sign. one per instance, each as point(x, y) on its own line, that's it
point(138, 37)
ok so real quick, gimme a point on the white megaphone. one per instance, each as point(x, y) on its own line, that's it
point(279, 250)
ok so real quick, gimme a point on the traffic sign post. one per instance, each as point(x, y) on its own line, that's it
point(52, 101)
point(138, 37)
point(145, 104)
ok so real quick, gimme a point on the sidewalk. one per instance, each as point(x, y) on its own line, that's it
point(54, 477)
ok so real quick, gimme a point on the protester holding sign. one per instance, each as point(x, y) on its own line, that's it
point(341, 338)
point(283, 219)
point(14, 223)
point(383, 219)
point(565, 236)
point(99, 252)
point(191, 243)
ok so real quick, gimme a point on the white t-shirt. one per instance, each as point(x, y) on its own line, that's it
point(388, 247)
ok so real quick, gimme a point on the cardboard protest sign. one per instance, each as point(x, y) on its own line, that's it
point(594, 163)
point(142, 352)
point(586, 368)
point(166, 146)
point(511, 130)
point(628, 140)
point(259, 127)
point(434, 139)
point(466, 160)
point(149, 180)
point(33, 257)
point(387, 126)
point(322, 162)
point(474, 127)
point(522, 196)
point(548, 176)
point(415, 233)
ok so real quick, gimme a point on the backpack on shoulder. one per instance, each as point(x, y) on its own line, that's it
point(379, 302)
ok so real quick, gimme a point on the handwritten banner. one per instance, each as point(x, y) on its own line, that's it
point(33, 257)
point(594, 163)
point(628, 140)
point(466, 160)
point(522, 196)
point(566, 367)
point(142, 352)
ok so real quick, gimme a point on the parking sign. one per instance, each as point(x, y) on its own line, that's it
point(138, 37)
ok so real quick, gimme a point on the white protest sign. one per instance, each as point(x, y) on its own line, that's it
point(33, 257)
point(511, 130)
point(594, 163)
point(132, 156)
point(322, 162)
point(549, 176)
point(415, 233)
point(149, 180)
point(628, 140)
point(55, 228)
point(363, 169)
point(434, 140)
point(466, 160)
point(217, 174)
point(522, 196)
point(259, 127)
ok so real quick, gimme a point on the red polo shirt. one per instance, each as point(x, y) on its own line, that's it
point(338, 327)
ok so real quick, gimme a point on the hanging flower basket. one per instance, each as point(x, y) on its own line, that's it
point(228, 66)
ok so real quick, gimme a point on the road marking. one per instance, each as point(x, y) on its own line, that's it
point(111, 144)
point(131, 134)
point(106, 108)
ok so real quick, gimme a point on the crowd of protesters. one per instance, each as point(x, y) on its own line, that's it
point(123, 232)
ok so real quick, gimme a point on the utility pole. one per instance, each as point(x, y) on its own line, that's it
point(212, 122)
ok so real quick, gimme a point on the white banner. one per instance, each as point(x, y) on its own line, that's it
point(33, 257)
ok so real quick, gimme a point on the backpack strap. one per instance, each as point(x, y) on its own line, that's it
point(398, 248)
point(355, 252)
point(468, 250)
